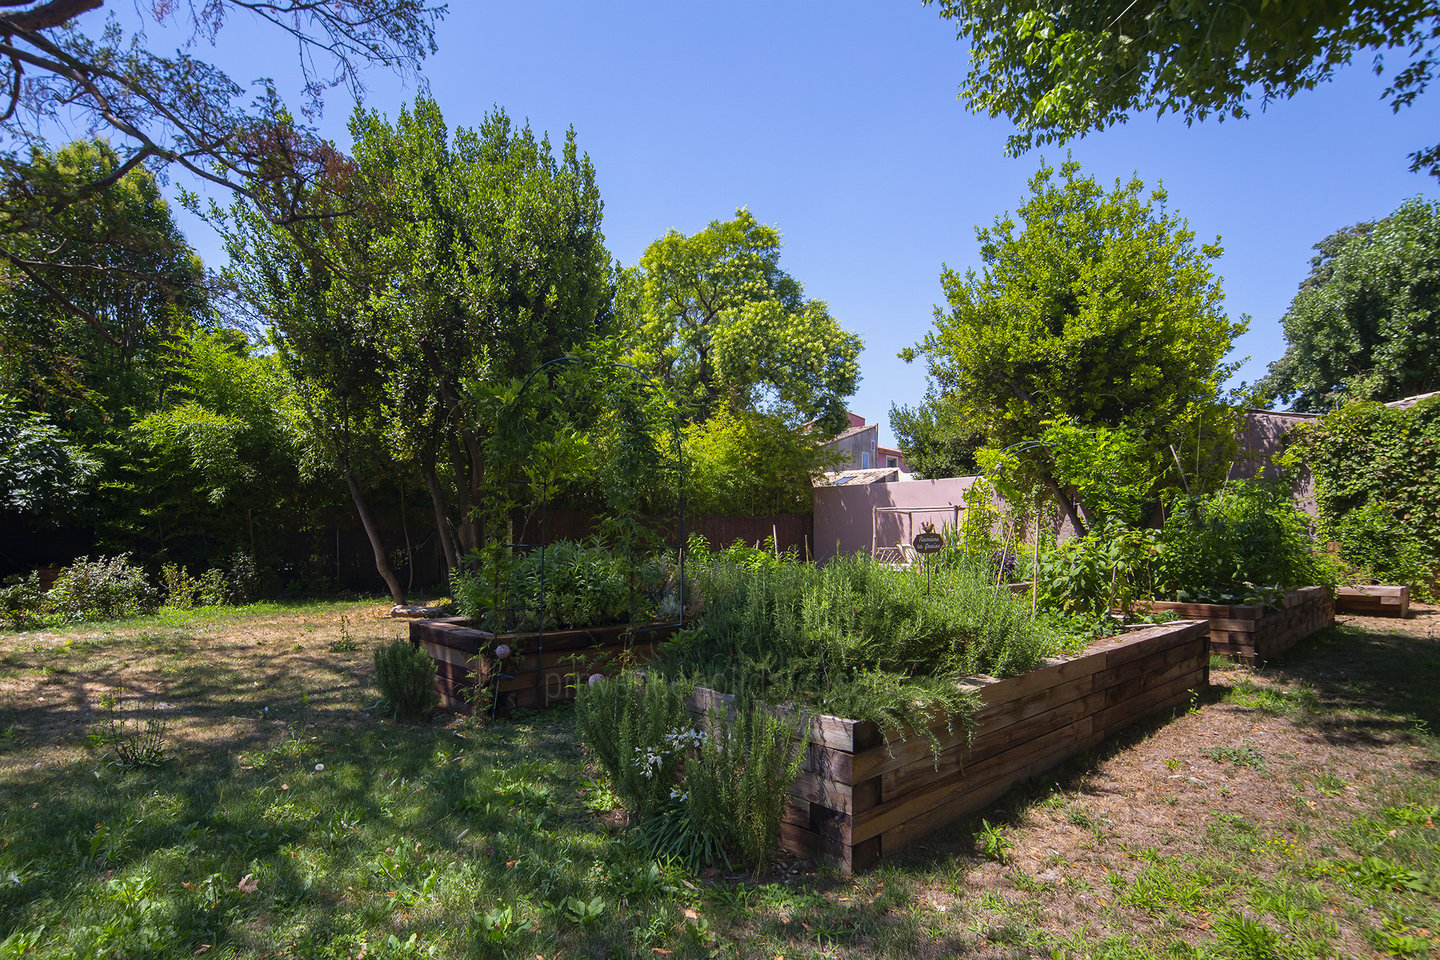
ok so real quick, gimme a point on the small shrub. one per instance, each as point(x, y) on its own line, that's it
point(738, 777)
point(135, 744)
point(584, 585)
point(21, 600)
point(634, 726)
point(106, 588)
point(178, 586)
point(406, 679)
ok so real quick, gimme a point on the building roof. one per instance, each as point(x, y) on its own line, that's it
point(1408, 402)
point(852, 431)
point(855, 478)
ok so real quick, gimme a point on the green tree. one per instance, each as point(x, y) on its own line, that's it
point(469, 260)
point(219, 466)
point(1099, 311)
point(1060, 70)
point(42, 473)
point(715, 317)
point(62, 68)
point(746, 463)
point(936, 441)
point(86, 338)
point(1366, 322)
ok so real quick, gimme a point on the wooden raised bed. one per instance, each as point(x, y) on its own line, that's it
point(1255, 633)
point(566, 657)
point(1373, 601)
point(858, 800)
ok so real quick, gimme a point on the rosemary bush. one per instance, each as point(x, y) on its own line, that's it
point(406, 679)
point(634, 726)
point(855, 638)
point(585, 585)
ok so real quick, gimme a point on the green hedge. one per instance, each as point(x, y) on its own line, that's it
point(1377, 485)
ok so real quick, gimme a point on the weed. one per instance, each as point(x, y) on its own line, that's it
point(993, 844)
point(1242, 756)
point(346, 642)
point(136, 744)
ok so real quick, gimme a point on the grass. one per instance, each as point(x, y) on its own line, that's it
point(284, 820)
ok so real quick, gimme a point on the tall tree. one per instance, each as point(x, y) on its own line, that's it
point(86, 337)
point(937, 442)
point(469, 261)
point(1100, 311)
point(714, 315)
point(1060, 70)
point(63, 66)
point(1365, 324)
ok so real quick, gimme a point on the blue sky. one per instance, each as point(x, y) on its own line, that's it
point(844, 131)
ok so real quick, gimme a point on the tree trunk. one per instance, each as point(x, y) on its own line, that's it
point(382, 566)
point(444, 529)
point(1068, 506)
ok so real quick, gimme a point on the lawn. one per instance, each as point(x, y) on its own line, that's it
point(1290, 814)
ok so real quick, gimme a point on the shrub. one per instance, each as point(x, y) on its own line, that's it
point(406, 679)
point(1374, 542)
point(737, 779)
point(632, 725)
point(106, 588)
point(182, 591)
point(705, 794)
point(21, 600)
point(1246, 542)
point(1112, 566)
point(585, 585)
point(853, 637)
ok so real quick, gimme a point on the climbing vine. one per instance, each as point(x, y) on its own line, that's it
point(1377, 485)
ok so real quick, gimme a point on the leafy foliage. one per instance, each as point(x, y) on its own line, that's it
point(736, 782)
point(405, 676)
point(934, 442)
point(1061, 70)
point(1245, 542)
point(715, 316)
point(183, 591)
point(106, 588)
point(854, 638)
point(1101, 311)
point(169, 110)
point(585, 585)
point(41, 471)
point(84, 334)
point(704, 793)
point(1088, 577)
point(1377, 487)
point(1366, 322)
point(632, 725)
point(740, 463)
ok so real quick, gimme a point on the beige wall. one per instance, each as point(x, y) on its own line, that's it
point(843, 515)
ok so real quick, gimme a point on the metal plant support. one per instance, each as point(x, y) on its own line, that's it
point(518, 546)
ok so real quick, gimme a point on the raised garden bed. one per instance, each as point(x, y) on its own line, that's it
point(542, 669)
point(1255, 633)
point(1373, 601)
point(859, 800)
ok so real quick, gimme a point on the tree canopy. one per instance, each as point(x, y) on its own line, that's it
point(1098, 309)
point(1060, 70)
point(64, 69)
point(474, 258)
point(1365, 323)
point(86, 338)
point(715, 316)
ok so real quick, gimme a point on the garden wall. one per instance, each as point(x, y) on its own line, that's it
point(1254, 633)
point(541, 670)
point(858, 800)
point(844, 515)
point(790, 529)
